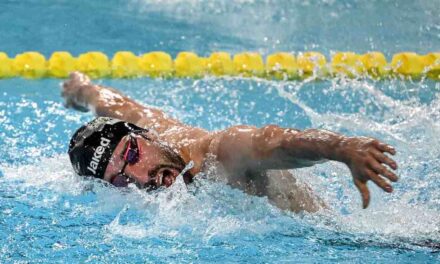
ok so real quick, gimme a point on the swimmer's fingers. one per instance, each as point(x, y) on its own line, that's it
point(382, 170)
point(66, 93)
point(363, 189)
point(79, 77)
point(385, 147)
point(74, 83)
point(80, 108)
point(379, 181)
point(382, 158)
point(70, 90)
point(68, 102)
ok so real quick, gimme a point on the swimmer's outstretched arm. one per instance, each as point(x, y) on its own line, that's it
point(81, 94)
point(272, 147)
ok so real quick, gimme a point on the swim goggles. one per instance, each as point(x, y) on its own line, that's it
point(131, 155)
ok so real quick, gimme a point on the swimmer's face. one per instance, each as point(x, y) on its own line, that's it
point(157, 165)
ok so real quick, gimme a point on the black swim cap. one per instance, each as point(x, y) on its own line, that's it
point(93, 144)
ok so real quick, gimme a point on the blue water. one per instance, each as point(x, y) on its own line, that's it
point(47, 214)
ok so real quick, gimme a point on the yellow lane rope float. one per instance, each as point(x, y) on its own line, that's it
point(281, 65)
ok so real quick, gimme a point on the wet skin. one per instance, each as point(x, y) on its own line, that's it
point(245, 153)
point(153, 167)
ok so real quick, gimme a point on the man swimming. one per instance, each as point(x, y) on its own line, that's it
point(132, 143)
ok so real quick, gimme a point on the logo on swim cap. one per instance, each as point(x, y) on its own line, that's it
point(98, 154)
point(92, 145)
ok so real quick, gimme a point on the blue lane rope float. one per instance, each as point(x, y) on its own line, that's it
point(281, 65)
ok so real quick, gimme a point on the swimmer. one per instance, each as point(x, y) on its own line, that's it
point(132, 143)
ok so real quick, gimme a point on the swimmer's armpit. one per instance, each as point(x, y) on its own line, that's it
point(272, 147)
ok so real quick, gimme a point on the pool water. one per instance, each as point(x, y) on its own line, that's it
point(50, 215)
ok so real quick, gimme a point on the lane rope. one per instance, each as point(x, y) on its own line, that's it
point(280, 65)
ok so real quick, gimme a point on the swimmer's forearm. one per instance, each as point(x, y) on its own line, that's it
point(273, 147)
point(81, 94)
point(105, 101)
point(296, 149)
point(314, 145)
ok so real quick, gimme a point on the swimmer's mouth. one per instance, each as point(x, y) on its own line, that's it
point(163, 175)
point(166, 175)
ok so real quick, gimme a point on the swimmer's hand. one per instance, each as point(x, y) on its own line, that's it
point(366, 159)
point(73, 91)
